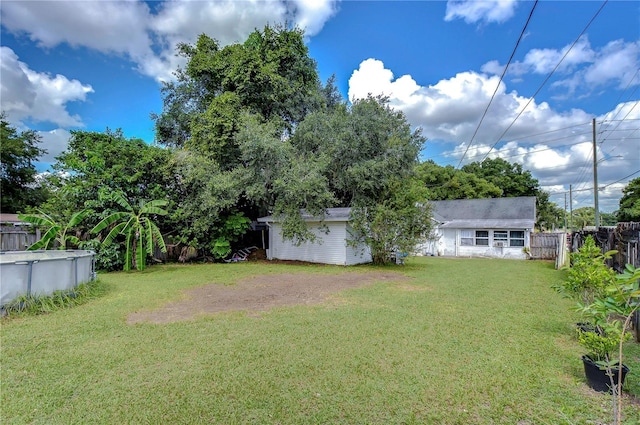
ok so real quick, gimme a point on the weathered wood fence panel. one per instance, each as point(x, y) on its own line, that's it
point(17, 238)
point(624, 238)
point(544, 246)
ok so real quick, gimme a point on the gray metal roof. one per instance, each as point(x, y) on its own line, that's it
point(488, 224)
point(331, 214)
point(494, 213)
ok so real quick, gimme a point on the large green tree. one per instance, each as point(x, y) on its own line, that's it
point(367, 153)
point(448, 182)
point(271, 75)
point(108, 162)
point(630, 202)
point(18, 152)
point(510, 177)
point(257, 134)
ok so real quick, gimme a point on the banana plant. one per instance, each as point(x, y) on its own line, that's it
point(57, 233)
point(140, 232)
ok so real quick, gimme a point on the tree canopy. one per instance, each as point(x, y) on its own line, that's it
point(109, 162)
point(257, 133)
point(491, 178)
point(18, 152)
point(270, 75)
point(630, 202)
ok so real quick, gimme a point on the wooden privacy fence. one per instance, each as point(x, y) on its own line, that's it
point(623, 238)
point(549, 246)
point(18, 238)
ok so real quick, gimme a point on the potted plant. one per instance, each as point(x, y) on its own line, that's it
point(612, 313)
point(601, 367)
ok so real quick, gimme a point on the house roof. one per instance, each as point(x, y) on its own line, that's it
point(331, 214)
point(9, 218)
point(494, 213)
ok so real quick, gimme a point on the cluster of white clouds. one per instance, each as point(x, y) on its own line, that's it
point(148, 37)
point(579, 65)
point(449, 112)
point(26, 93)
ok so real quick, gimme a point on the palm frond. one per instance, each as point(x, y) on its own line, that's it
point(117, 230)
point(74, 240)
point(46, 240)
point(107, 221)
point(151, 209)
point(158, 237)
point(149, 235)
point(141, 254)
point(118, 198)
point(78, 217)
point(40, 219)
point(156, 203)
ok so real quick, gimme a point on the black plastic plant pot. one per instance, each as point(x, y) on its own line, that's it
point(585, 327)
point(598, 379)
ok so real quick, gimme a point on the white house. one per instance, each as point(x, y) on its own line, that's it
point(332, 232)
point(495, 227)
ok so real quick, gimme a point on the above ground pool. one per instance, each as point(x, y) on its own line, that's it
point(43, 272)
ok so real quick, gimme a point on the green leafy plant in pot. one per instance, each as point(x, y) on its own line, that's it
point(611, 314)
point(600, 365)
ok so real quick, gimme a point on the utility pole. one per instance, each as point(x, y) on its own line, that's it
point(570, 207)
point(595, 176)
point(565, 212)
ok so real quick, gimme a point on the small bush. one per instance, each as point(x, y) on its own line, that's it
point(108, 257)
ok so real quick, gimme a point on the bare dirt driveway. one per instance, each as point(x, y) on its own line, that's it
point(261, 293)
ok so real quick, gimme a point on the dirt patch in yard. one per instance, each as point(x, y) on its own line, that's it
point(260, 293)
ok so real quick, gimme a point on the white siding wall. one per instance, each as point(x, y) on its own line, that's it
point(452, 247)
point(330, 248)
point(359, 255)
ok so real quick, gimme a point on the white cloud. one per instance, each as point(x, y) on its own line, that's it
point(27, 94)
point(450, 110)
point(555, 146)
point(583, 69)
point(106, 26)
point(148, 38)
point(473, 11)
point(617, 61)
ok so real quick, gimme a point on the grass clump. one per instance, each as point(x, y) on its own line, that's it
point(31, 305)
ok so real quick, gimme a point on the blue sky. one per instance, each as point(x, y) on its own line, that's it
point(92, 65)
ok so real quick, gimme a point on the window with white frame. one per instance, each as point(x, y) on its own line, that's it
point(482, 237)
point(500, 236)
point(516, 238)
point(466, 237)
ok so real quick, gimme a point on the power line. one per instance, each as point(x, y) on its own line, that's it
point(500, 81)
point(547, 78)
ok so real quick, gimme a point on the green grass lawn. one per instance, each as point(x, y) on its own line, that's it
point(465, 341)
